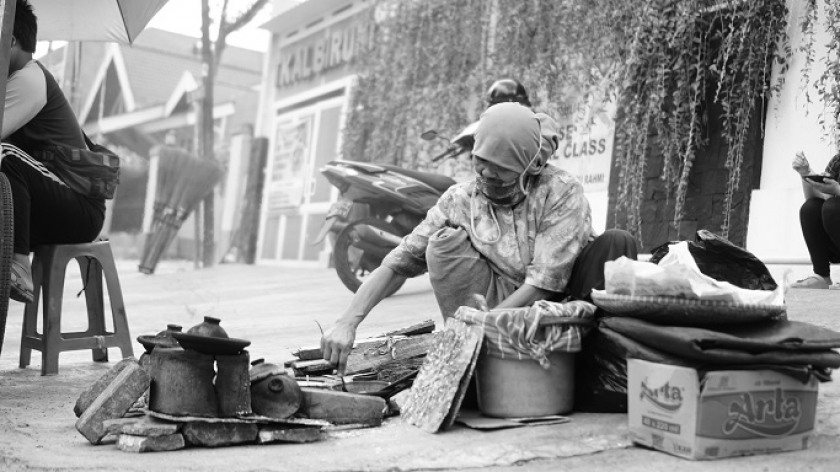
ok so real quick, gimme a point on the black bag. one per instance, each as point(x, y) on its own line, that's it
point(721, 260)
point(93, 172)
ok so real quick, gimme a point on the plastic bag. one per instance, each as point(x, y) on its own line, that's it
point(721, 260)
point(677, 275)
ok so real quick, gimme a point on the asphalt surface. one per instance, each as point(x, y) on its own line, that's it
point(276, 308)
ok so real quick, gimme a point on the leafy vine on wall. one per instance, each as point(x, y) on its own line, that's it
point(827, 83)
point(432, 60)
point(683, 49)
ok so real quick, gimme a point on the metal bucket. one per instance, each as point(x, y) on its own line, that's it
point(511, 388)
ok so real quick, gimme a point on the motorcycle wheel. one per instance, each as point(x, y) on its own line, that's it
point(352, 263)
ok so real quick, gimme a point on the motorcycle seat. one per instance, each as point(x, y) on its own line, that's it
point(436, 181)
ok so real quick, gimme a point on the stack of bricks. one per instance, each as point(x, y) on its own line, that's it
point(146, 434)
point(104, 406)
point(111, 397)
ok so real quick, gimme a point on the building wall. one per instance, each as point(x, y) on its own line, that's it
point(307, 82)
point(792, 124)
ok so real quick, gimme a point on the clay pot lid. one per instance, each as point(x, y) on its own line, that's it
point(261, 370)
point(162, 339)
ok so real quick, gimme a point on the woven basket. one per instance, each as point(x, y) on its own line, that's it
point(686, 312)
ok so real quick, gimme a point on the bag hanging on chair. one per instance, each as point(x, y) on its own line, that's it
point(93, 172)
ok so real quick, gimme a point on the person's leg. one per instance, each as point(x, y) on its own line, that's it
point(818, 242)
point(831, 225)
point(45, 212)
point(458, 272)
point(588, 271)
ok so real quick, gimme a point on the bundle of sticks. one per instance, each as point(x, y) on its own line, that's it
point(183, 180)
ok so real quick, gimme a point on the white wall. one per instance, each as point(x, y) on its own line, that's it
point(792, 124)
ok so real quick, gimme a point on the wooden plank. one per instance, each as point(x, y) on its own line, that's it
point(314, 352)
point(423, 327)
point(372, 356)
point(435, 398)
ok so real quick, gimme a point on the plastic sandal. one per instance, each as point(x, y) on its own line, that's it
point(19, 291)
point(813, 281)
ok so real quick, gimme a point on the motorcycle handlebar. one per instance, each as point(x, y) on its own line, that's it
point(450, 151)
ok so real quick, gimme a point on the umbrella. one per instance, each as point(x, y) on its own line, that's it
point(118, 21)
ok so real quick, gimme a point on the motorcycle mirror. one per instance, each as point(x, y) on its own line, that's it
point(429, 135)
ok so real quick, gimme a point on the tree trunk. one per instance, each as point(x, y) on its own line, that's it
point(206, 139)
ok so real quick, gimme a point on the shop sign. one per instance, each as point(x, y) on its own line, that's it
point(332, 48)
point(586, 145)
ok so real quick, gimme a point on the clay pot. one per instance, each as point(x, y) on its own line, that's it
point(273, 392)
point(209, 327)
point(233, 385)
point(182, 383)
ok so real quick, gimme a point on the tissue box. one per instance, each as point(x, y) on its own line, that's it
point(718, 414)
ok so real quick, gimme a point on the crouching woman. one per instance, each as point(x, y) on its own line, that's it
point(519, 232)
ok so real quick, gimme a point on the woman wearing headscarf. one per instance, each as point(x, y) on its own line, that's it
point(519, 232)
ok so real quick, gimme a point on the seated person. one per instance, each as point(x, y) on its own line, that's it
point(37, 115)
point(819, 217)
point(519, 232)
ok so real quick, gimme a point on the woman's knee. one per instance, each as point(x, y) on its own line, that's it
point(619, 240)
point(830, 213)
point(812, 208)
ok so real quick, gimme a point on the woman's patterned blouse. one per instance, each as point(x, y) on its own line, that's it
point(555, 217)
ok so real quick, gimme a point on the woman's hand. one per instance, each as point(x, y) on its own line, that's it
point(801, 165)
point(827, 186)
point(336, 344)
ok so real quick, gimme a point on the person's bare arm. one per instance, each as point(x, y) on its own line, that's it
point(26, 95)
point(525, 295)
point(337, 341)
point(803, 167)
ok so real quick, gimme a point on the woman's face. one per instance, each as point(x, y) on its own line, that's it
point(492, 173)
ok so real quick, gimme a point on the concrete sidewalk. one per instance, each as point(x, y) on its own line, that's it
point(276, 308)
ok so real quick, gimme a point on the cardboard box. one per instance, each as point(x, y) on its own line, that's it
point(720, 414)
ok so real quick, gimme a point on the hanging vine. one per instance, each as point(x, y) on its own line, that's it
point(828, 82)
point(667, 61)
point(685, 47)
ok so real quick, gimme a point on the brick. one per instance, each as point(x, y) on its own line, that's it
point(149, 426)
point(293, 434)
point(89, 394)
point(116, 425)
point(170, 442)
point(113, 402)
point(342, 408)
point(219, 434)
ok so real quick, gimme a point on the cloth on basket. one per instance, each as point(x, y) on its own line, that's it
point(786, 343)
point(516, 332)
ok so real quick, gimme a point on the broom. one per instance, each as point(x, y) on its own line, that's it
point(183, 181)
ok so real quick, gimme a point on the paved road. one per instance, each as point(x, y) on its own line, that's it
point(276, 309)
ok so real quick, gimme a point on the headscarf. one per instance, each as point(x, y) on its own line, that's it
point(515, 138)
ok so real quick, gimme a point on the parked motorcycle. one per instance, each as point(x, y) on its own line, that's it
point(377, 206)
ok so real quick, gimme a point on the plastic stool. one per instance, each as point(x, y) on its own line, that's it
point(48, 268)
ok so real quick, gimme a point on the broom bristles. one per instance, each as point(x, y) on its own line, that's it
point(183, 181)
